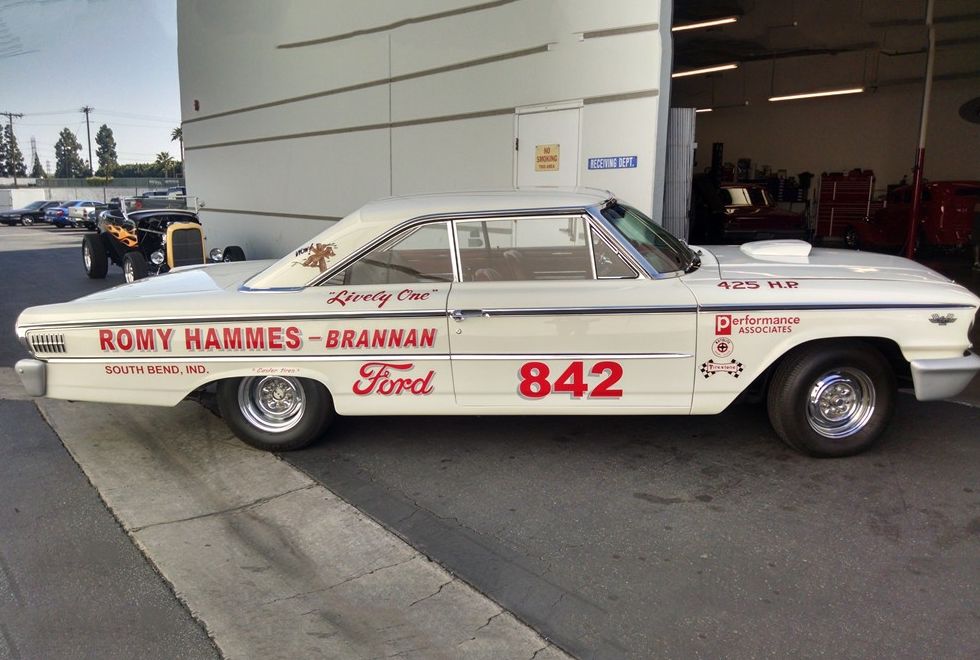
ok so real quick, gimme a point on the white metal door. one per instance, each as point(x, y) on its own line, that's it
point(548, 148)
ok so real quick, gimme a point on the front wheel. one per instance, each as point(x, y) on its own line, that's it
point(831, 400)
point(275, 413)
point(134, 267)
point(26, 220)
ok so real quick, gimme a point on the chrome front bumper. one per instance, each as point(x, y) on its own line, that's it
point(941, 379)
point(33, 376)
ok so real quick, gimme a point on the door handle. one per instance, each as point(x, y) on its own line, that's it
point(460, 315)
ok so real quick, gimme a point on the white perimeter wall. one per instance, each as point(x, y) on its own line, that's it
point(407, 109)
point(18, 197)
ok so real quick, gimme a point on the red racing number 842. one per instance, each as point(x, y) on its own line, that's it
point(535, 382)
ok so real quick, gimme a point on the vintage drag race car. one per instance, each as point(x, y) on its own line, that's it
point(149, 236)
point(517, 302)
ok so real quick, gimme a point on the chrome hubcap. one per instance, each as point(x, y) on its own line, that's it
point(87, 256)
point(840, 403)
point(128, 271)
point(271, 403)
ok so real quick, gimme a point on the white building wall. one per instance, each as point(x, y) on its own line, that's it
point(368, 99)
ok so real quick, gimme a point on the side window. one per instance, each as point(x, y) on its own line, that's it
point(418, 255)
point(524, 249)
point(608, 263)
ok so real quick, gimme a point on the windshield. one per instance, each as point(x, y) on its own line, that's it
point(35, 205)
point(660, 248)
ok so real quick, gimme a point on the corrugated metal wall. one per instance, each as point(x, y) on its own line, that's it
point(679, 171)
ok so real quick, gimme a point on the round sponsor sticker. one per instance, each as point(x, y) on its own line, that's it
point(722, 347)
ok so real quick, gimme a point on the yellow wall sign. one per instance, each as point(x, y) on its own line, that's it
point(546, 157)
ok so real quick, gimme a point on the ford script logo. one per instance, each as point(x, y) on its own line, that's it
point(942, 319)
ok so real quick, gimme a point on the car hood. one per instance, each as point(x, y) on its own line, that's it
point(786, 259)
point(181, 292)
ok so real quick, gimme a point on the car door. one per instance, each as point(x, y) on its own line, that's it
point(379, 327)
point(548, 316)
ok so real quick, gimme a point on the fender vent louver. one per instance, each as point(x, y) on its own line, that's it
point(48, 343)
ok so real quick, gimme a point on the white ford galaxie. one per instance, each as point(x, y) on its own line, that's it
point(510, 303)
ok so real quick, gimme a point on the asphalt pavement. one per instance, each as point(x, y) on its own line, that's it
point(72, 584)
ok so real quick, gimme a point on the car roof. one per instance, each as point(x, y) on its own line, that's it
point(395, 209)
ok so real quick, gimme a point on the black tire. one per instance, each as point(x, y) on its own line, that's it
point(233, 253)
point(851, 239)
point(842, 421)
point(27, 220)
point(249, 419)
point(134, 267)
point(94, 258)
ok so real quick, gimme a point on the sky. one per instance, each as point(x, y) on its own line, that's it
point(117, 56)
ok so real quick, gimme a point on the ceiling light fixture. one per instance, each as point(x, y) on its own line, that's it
point(696, 110)
point(709, 69)
point(704, 24)
point(810, 95)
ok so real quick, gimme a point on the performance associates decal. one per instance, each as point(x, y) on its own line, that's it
point(748, 324)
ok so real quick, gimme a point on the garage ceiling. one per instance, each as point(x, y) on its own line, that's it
point(801, 45)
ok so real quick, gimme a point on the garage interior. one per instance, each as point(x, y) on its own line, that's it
point(833, 158)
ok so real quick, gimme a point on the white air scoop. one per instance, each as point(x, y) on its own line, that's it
point(770, 249)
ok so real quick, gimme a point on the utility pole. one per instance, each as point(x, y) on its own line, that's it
point(88, 133)
point(10, 119)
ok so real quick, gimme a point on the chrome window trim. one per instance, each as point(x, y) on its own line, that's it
point(615, 247)
point(428, 219)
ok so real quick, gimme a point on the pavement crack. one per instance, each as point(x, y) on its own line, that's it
point(488, 621)
point(334, 585)
point(539, 651)
point(240, 507)
point(434, 593)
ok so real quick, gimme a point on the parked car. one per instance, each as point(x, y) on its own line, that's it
point(149, 237)
point(28, 215)
point(739, 212)
point(945, 218)
point(515, 303)
point(58, 215)
point(85, 214)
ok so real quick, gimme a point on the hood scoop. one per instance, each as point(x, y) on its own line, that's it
point(776, 249)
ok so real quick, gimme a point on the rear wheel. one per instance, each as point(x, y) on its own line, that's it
point(233, 253)
point(134, 267)
point(831, 399)
point(94, 257)
point(851, 239)
point(275, 413)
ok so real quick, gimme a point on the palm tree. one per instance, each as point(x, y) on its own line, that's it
point(164, 161)
point(178, 134)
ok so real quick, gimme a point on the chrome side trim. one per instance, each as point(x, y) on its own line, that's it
point(825, 306)
point(584, 311)
point(570, 356)
point(295, 357)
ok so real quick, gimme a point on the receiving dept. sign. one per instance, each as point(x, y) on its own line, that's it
point(612, 162)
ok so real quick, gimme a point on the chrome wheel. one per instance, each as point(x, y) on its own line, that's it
point(272, 403)
point(87, 257)
point(128, 272)
point(27, 220)
point(840, 403)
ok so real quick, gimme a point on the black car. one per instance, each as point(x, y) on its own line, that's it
point(33, 212)
point(147, 236)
